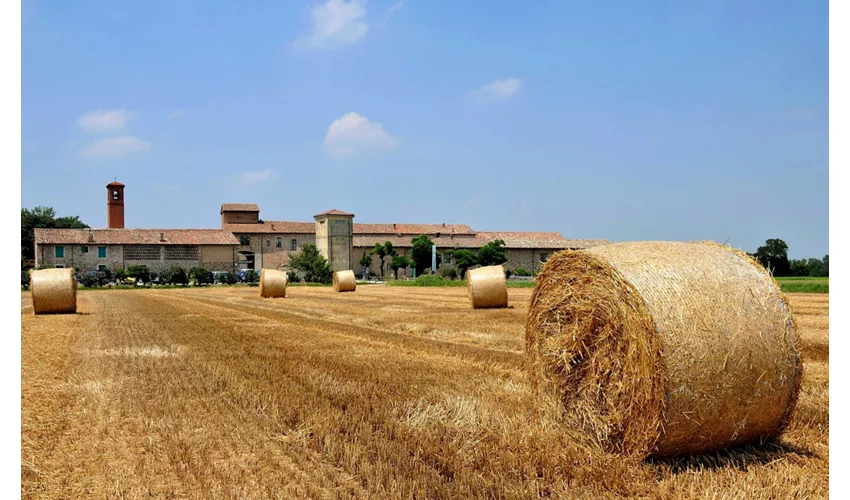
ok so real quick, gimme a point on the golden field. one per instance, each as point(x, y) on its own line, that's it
point(387, 392)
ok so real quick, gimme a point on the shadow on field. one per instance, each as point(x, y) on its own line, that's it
point(741, 458)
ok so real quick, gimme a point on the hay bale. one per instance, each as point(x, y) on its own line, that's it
point(663, 348)
point(272, 283)
point(54, 291)
point(344, 281)
point(487, 287)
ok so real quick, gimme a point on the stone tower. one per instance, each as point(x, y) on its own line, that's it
point(115, 205)
point(334, 237)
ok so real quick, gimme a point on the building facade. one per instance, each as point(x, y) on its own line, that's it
point(245, 241)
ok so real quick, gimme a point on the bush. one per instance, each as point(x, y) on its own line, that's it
point(292, 277)
point(25, 279)
point(201, 276)
point(522, 272)
point(121, 274)
point(140, 273)
point(174, 275)
point(449, 273)
point(252, 276)
point(508, 273)
point(227, 278)
point(429, 280)
point(93, 279)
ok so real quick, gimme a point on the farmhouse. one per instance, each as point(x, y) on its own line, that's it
point(245, 241)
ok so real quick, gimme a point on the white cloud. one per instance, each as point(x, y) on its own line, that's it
point(336, 23)
point(354, 135)
point(176, 115)
point(114, 147)
point(105, 121)
point(249, 178)
point(500, 89)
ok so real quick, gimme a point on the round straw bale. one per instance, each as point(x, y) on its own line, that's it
point(54, 291)
point(272, 283)
point(344, 281)
point(663, 348)
point(487, 287)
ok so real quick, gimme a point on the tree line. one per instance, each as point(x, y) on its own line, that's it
point(774, 256)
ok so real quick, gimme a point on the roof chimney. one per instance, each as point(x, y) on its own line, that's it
point(161, 236)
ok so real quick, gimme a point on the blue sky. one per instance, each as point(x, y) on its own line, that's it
point(615, 120)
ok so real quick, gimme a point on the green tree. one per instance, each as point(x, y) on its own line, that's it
point(174, 275)
point(366, 263)
point(42, 217)
point(825, 262)
point(399, 262)
point(464, 259)
point(421, 253)
point(774, 256)
point(493, 253)
point(140, 272)
point(382, 251)
point(311, 262)
point(201, 275)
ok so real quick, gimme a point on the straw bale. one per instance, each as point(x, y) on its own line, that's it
point(487, 287)
point(272, 283)
point(344, 281)
point(663, 348)
point(54, 291)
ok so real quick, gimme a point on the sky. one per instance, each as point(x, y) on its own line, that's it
point(613, 120)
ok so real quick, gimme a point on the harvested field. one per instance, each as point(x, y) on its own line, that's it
point(387, 392)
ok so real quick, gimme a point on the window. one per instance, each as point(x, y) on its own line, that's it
point(544, 257)
point(447, 258)
point(268, 243)
point(115, 195)
point(279, 242)
point(294, 244)
point(85, 249)
point(60, 252)
point(101, 267)
point(60, 266)
point(244, 240)
point(101, 252)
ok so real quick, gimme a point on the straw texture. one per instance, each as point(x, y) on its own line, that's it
point(663, 348)
point(487, 287)
point(272, 283)
point(54, 291)
point(344, 281)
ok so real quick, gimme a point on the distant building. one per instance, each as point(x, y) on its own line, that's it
point(247, 242)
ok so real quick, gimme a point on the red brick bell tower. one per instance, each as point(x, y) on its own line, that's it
point(115, 205)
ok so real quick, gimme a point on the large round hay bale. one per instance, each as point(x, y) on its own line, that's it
point(272, 283)
point(487, 287)
point(663, 348)
point(54, 291)
point(344, 281)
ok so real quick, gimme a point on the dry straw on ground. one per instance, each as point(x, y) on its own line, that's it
point(663, 348)
point(54, 291)
point(344, 281)
point(272, 283)
point(487, 287)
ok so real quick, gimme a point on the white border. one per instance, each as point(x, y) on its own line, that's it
point(839, 16)
point(10, 194)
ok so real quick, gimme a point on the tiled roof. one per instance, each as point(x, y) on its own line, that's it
point(404, 241)
point(505, 235)
point(239, 207)
point(413, 229)
point(334, 211)
point(514, 242)
point(114, 184)
point(134, 237)
point(272, 226)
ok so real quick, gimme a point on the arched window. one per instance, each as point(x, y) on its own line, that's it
point(115, 195)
